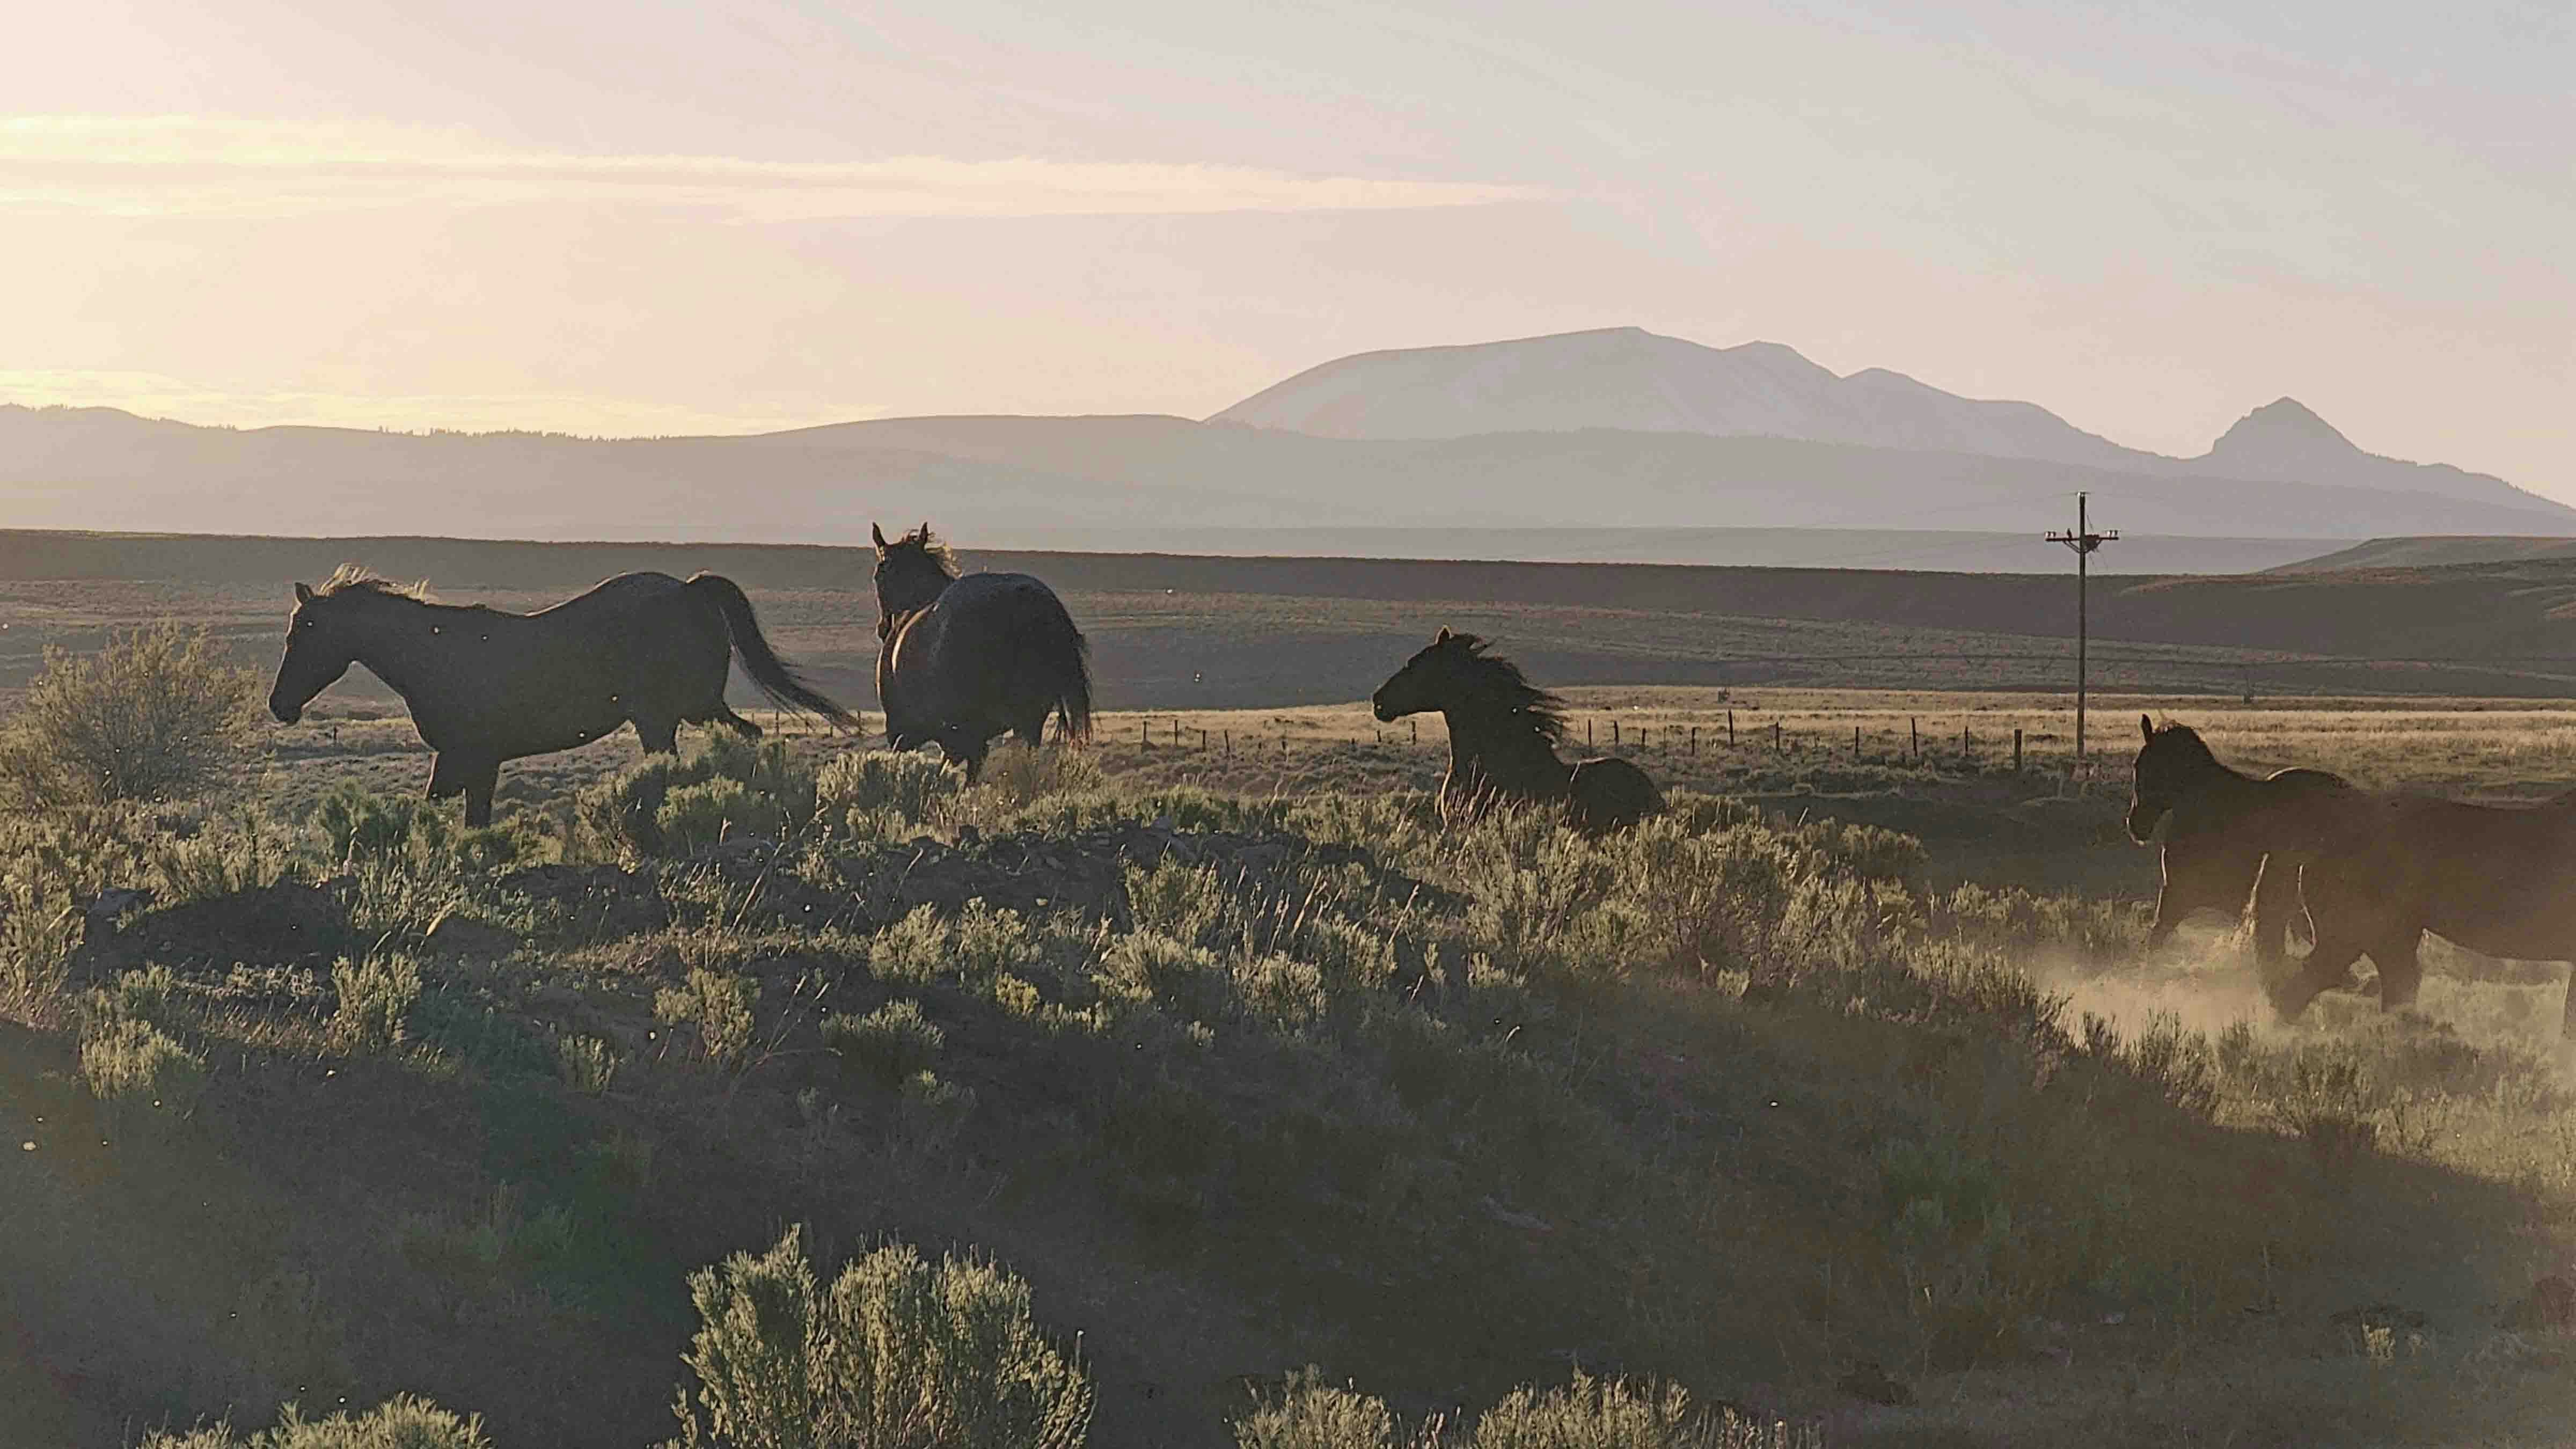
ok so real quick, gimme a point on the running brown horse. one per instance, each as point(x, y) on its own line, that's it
point(486, 686)
point(2232, 837)
point(961, 661)
point(2498, 880)
point(2376, 871)
point(1503, 736)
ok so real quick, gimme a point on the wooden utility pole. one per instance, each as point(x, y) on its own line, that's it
point(2084, 541)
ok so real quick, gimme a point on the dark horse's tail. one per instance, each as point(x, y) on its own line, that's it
point(761, 662)
point(1072, 662)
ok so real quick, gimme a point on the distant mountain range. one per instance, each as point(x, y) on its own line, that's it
point(1632, 380)
point(1617, 430)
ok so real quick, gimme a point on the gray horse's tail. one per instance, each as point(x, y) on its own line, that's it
point(774, 676)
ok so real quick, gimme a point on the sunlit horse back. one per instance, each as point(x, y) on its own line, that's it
point(1503, 736)
point(485, 686)
point(963, 661)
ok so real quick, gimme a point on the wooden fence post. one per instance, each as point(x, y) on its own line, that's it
point(1963, 740)
point(2016, 752)
point(1730, 729)
point(1775, 737)
point(1914, 738)
point(1855, 742)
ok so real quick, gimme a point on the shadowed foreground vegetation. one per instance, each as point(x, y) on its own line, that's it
point(847, 1106)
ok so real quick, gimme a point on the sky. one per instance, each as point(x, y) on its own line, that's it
point(649, 217)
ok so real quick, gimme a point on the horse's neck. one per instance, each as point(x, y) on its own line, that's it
point(405, 644)
point(1503, 749)
point(2239, 800)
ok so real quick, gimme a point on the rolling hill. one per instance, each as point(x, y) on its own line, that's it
point(1115, 482)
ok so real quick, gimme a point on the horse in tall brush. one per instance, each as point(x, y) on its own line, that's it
point(963, 661)
point(1503, 736)
point(2379, 870)
point(486, 686)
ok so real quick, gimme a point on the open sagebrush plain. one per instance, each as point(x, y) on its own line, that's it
point(1842, 1096)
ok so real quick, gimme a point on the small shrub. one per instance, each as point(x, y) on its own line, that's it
point(38, 930)
point(586, 1063)
point(1308, 1413)
point(982, 942)
point(718, 1004)
point(900, 1352)
point(138, 1068)
point(401, 1422)
point(156, 715)
point(935, 1111)
point(245, 851)
point(888, 1044)
point(1595, 1413)
point(879, 793)
point(694, 817)
point(2327, 1102)
point(1183, 902)
point(376, 999)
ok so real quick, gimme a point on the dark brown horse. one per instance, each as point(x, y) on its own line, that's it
point(2376, 871)
point(2498, 880)
point(1503, 735)
point(962, 661)
point(2232, 837)
point(485, 686)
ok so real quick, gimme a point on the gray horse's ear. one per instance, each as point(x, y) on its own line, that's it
point(879, 535)
point(303, 595)
point(1445, 636)
point(2147, 727)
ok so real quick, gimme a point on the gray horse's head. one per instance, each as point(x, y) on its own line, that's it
point(912, 571)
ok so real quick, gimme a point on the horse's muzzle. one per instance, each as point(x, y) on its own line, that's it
point(286, 713)
point(1384, 715)
point(2142, 821)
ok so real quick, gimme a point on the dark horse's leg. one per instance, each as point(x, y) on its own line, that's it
point(724, 715)
point(966, 748)
point(454, 774)
point(660, 736)
point(478, 792)
point(2401, 971)
point(2200, 874)
point(1033, 733)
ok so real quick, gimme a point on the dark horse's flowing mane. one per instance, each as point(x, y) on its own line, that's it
point(1501, 685)
point(931, 547)
point(351, 578)
point(2183, 739)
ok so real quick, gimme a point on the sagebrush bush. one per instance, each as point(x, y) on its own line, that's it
point(137, 1067)
point(586, 1063)
point(974, 947)
point(1589, 1413)
point(1308, 1413)
point(888, 1044)
point(376, 997)
point(881, 794)
point(156, 715)
point(401, 1422)
point(720, 786)
point(718, 1005)
point(899, 1354)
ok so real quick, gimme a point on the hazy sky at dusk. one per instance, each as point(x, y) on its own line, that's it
point(670, 217)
